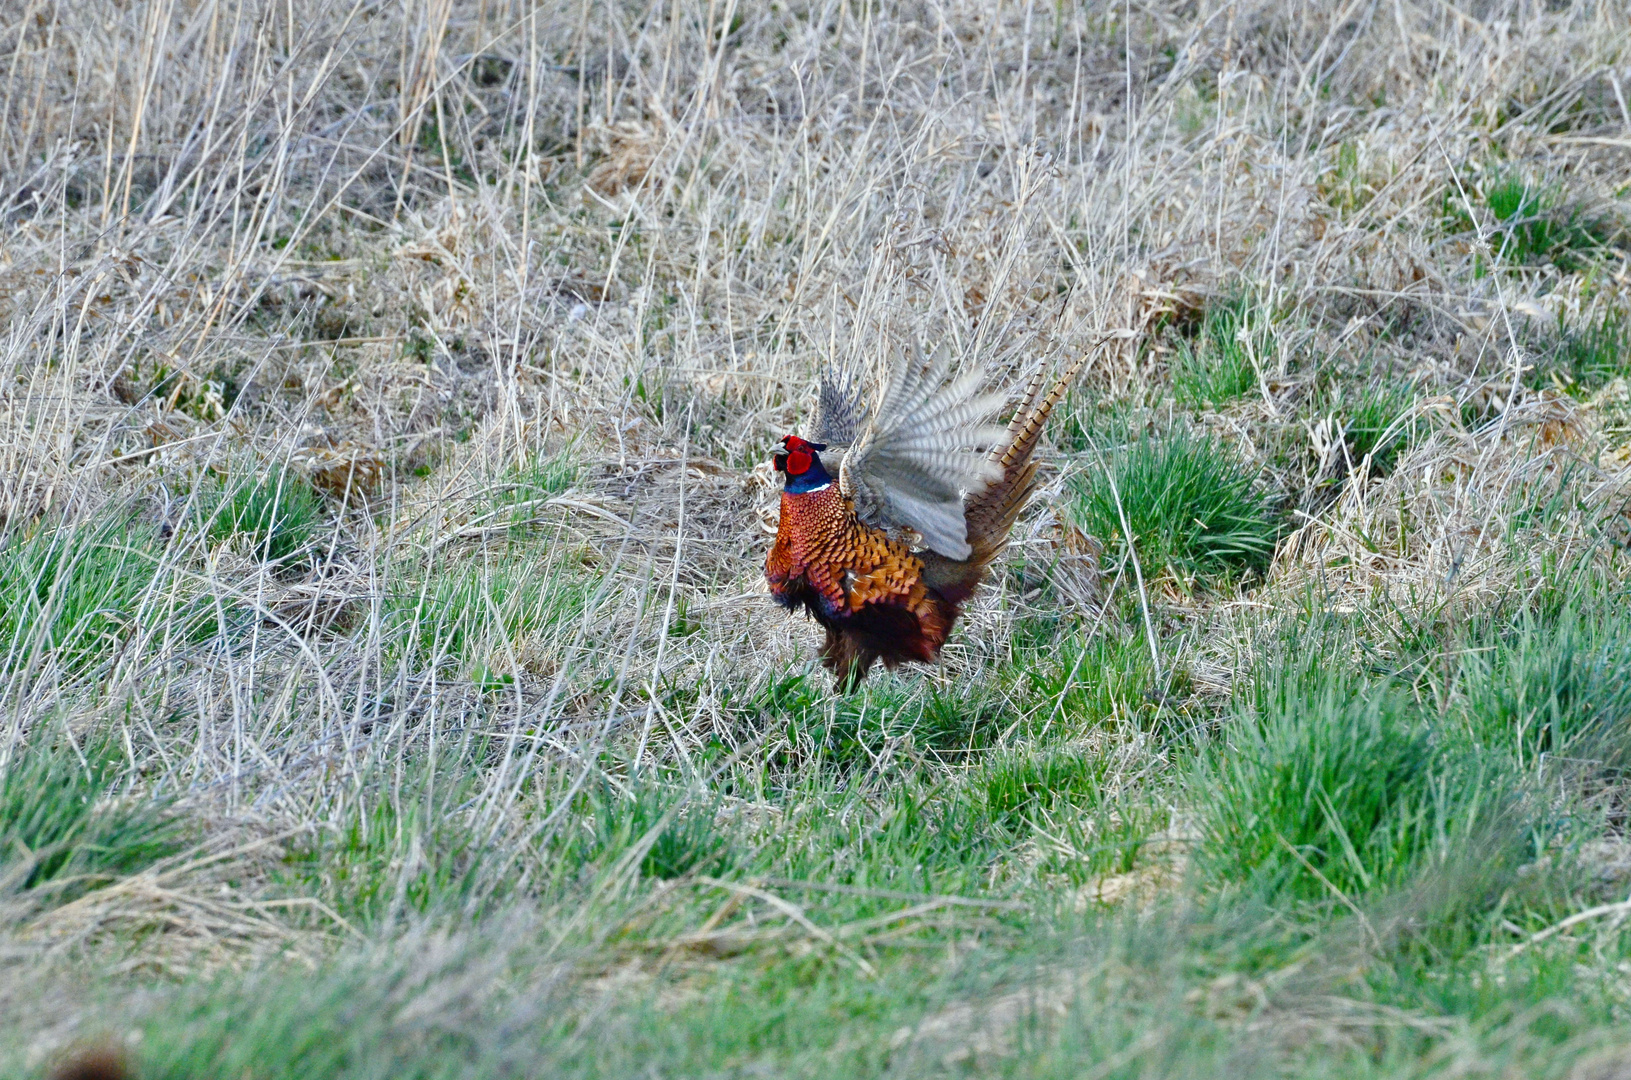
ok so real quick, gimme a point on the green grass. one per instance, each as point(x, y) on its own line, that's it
point(1345, 184)
point(1067, 801)
point(1221, 361)
point(900, 829)
point(65, 832)
point(1084, 421)
point(1203, 991)
point(1194, 508)
point(400, 848)
point(272, 510)
point(1143, 999)
point(1084, 682)
point(344, 1023)
point(678, 832)
point(1533, 227)
point(1588, 357)
point(1548, 685)
point(417, 843)
point(520, 492)
point(1376, 424)
point(1323, 790)
point(1333, 782)
point(1533, 223)
point(480, 613)
point(1024, 787)
point(1357, 858)
point(352, 1020)
point(855, 730)
point(71, 593)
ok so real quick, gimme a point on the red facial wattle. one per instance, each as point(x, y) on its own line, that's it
point(796, 456)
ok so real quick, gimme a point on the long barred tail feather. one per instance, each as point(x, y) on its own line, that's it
point(991, 513)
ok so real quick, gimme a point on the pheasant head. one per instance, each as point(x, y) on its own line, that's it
point(800, 460)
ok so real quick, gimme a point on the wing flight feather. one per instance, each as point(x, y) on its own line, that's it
point(840, 408)
point(921, 449)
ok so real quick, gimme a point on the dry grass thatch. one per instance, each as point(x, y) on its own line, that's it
point(511, 299)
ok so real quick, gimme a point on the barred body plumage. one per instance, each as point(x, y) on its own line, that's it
point(863, 587)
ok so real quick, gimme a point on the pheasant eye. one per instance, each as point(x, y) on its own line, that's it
point(798, 463)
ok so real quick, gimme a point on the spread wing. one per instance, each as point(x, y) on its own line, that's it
point(840, 408)
point(921, 449)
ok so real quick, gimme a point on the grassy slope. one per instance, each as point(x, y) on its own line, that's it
point(389, 685)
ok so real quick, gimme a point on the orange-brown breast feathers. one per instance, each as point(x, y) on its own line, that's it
point(864, 587)
point(819, 542)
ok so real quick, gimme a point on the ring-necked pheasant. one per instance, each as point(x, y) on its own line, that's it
point(885, 555)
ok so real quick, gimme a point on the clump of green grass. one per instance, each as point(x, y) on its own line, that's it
point(521, 492)
point(71, 593)
point(1083, 681)
point(1324, 788)
point(1085, 421)
point(687, 841)
point(1191, 504)
point(1027, 787)
point(1524, 233)
point(1589, 357)
point(854, 730)
point(398, 848)
point(1376, 424)
point(922, 831)
point(1543, 686)
point(481, 613)
point(60, 834)
point(1533, 223)
point(1068, 799)
point(346, 1021)
point(208, 398)
point(1535, 227)
point(1334, 780)
point(274, 511)
point(1344, 185)
point(1220, 363)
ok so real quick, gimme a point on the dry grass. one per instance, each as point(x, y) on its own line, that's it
point(517, 297)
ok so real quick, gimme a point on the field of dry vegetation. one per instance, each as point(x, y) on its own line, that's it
point(390, 685)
